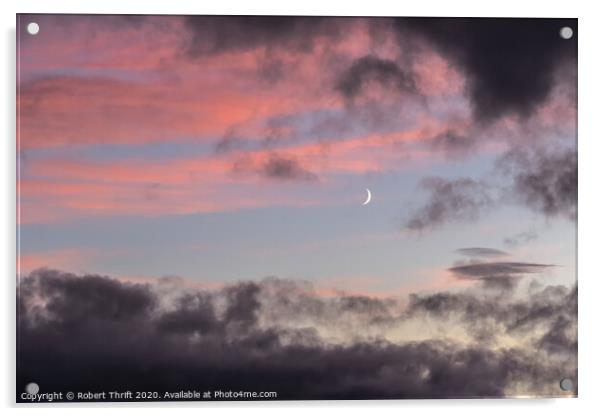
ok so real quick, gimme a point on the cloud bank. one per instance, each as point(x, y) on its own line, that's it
point(97, 333)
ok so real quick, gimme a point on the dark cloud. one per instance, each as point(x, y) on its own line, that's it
point(478, 270)
point(481, 252)
point(543, 306)
point(510, 64)
point(96, 297)
point(193, 312)
point(286, 168)
point(544, 180)
point(552, 310)
point(219, 34)
point(560, 338)
point(232, 139)
point(457, 199)
point(242, 303)
point(80, 333)
point(275, 131)
point(272, 69)
point(452, 143)
point(499, 275)
point(371, 69)
point(276, 167)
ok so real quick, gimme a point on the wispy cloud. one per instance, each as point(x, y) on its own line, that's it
point(481, 252)
point(457, 199)
point(371, 69)
point(544, 179)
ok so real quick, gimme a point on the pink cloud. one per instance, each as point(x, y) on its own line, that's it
point(61, 188)
point(62, 259)
point(72, 110)
point(99, 89)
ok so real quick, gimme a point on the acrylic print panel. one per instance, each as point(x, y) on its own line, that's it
point(274, 208)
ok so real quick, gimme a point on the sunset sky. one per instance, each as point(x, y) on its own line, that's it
point(181, 146)
point(200, 180)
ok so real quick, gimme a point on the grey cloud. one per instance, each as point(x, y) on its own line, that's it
point(497, 275)
point(96, 297)
point(243, 303)
point(286, 168)
point(457, 199)
point(193, 312)
point(542, 306)
point(481, 252)
point(510, 65)
point(505, 74)
point(552, 309)
point(276, 167)
point(371, 68)
point(520, 238)
point(220, 34)
point(230, 140)
point(495, 268)
point(94, 333)
point(561, 337)
point(275, 131)
point(544, 180)
point(453, 143)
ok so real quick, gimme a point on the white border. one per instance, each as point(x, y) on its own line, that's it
point(590, 191)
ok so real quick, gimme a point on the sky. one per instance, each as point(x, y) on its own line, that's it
point(159, 155)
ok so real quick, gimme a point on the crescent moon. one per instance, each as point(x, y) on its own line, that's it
point(369, 197)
